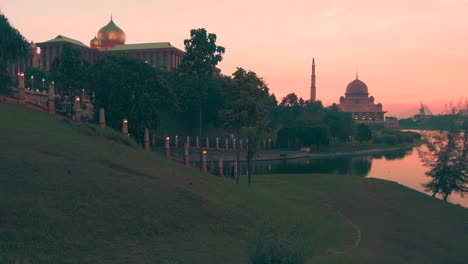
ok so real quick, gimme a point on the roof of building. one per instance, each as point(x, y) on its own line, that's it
point(61, 38)
point(143, 46)
point(111, 33)
point(357, 87)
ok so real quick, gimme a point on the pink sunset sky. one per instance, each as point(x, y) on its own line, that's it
point(407, 51)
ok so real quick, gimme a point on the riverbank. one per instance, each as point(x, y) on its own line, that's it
point(349, 149)
point(74, 193)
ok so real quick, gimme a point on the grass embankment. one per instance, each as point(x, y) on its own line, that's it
point(73, 193)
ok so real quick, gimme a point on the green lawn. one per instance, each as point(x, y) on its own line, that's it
point(73, 193)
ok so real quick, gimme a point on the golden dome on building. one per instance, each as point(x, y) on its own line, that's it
point(111, 35)
point(95, 43)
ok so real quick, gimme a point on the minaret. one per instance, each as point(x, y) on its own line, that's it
point(313, 89)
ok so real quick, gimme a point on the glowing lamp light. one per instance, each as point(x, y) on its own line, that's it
point(77, 99)
point(21, 74)
point(53, 83)
point(125, 121)
point(32, 76)
point(167, 138)
point(204, 152)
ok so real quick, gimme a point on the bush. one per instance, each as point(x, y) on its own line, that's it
point(377, 140)
point(273, 247)
point(389, 139)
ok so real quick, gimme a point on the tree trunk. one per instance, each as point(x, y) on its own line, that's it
point(200, 149)
point(237, 155)
point(249, 162)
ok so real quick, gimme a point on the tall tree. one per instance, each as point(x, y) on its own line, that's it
point(13, 46)
point(196, 69)
point(446, 156)
point(246, 107)
point(68, 73)
point(363, 133)
point(127, 88)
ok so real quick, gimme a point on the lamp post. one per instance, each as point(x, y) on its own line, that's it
point(43, 81)
point(32, 82)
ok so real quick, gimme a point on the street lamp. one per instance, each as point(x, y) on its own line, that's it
point(32, 82)
point(43, 81)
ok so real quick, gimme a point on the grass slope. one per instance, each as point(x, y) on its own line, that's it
point(73, 193)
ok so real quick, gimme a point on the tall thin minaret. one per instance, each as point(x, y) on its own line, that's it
point(313, 89)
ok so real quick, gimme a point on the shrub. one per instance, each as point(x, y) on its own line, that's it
point(389, 139)
point(273, 247)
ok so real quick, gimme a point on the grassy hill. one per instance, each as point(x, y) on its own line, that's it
point(73, 193)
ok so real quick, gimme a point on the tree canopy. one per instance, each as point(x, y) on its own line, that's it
point(13, 46)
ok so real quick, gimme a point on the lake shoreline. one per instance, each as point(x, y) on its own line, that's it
point(289, 154)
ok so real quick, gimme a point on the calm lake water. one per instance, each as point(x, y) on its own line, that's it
point(402, 166)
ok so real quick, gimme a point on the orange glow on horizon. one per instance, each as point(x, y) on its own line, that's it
point(406, 51)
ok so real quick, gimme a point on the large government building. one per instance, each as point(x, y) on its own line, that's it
point(110, 39)
point(358, 102)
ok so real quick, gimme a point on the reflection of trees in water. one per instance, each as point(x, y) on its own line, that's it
point(400, 154)
point(393, 155)
point(359, 166)
point(345, 165)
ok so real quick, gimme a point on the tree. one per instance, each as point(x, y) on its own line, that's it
point(196, 69)
point(364, 133)
point(128, 88)
point(246, 107)
point(290, 100)
point(446, 157)
point(13, 46)
point(69, 74)
point(341, 124)
point(38, 75)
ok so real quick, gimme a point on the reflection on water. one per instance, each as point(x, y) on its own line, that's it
point(402, 166)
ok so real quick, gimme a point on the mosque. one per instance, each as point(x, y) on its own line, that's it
point(357, 102)
point(110, 39)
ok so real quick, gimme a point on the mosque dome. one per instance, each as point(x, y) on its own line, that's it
point(357, 87)
point(111, 35)
point(95, 43)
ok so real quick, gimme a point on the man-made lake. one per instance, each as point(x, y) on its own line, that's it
point(403, 167)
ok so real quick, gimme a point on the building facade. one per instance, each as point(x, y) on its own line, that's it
point(109, 40)
point(362, 106)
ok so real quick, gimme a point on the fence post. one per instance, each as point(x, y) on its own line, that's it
point(186, 155)
point(204, 161)
point(197, 142)
point(227, 144)
point(77, 109)
point(236, 175)
point(51, 99)
point(217, 143)
point(102, 118)
point(220, 165)
point(125, 127)
point(21, 91)
point(168, 148)
point(147, 140)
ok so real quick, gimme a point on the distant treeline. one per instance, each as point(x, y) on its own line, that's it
point(438, 122)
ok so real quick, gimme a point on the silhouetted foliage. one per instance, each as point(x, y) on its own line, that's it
point(447, 156)
point(246, 107)
point(127, 88)
point(196, 84)
point(364, 133)
point(13, 46)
